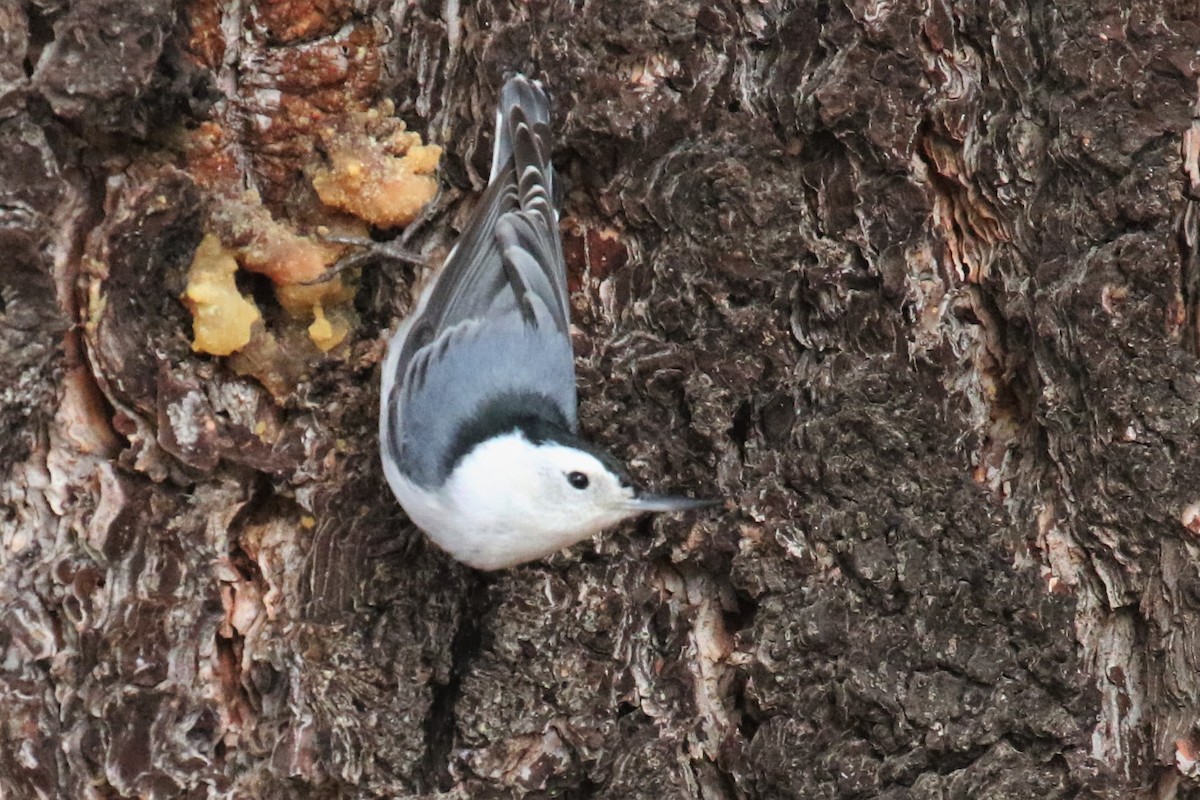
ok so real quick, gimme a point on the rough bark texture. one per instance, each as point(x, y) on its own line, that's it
point(915, 284)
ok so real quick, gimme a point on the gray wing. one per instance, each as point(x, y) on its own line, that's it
point(496, 318)
point(510, 252)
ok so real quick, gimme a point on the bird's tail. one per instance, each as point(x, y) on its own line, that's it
point(522, 102)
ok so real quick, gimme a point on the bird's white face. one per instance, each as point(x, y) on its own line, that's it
point(573, 490)
point(510, 501)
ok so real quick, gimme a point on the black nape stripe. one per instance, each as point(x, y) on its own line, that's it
point(536, 416)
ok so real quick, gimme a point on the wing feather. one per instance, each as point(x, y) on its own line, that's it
point(486, 272)
point(506, 274)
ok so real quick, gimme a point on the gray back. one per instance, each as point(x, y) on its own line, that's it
point(495, 320)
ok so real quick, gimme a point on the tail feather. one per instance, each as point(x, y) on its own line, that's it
point(523, 102)
point(528, 234)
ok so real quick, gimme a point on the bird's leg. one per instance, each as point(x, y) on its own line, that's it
point(368, 250)
point(371, 250)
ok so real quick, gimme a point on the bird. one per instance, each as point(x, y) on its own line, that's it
point(478, 427)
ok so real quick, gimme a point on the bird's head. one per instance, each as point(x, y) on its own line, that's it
point(528, 499)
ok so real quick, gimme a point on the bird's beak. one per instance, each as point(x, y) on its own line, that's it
point(660, 502)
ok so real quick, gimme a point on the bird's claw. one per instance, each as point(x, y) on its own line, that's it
point(368, 250)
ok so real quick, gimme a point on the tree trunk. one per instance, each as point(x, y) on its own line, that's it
point(915, 286)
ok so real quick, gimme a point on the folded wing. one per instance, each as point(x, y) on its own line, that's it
point(495, 319)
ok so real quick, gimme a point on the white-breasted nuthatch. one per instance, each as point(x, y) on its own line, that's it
point(477, 421)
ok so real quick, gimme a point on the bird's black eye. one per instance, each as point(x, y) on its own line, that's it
point(578, 480)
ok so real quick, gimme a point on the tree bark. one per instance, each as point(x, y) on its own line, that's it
point(915, 286)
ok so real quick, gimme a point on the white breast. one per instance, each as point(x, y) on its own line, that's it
point(490, 514)
point(469, 535)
